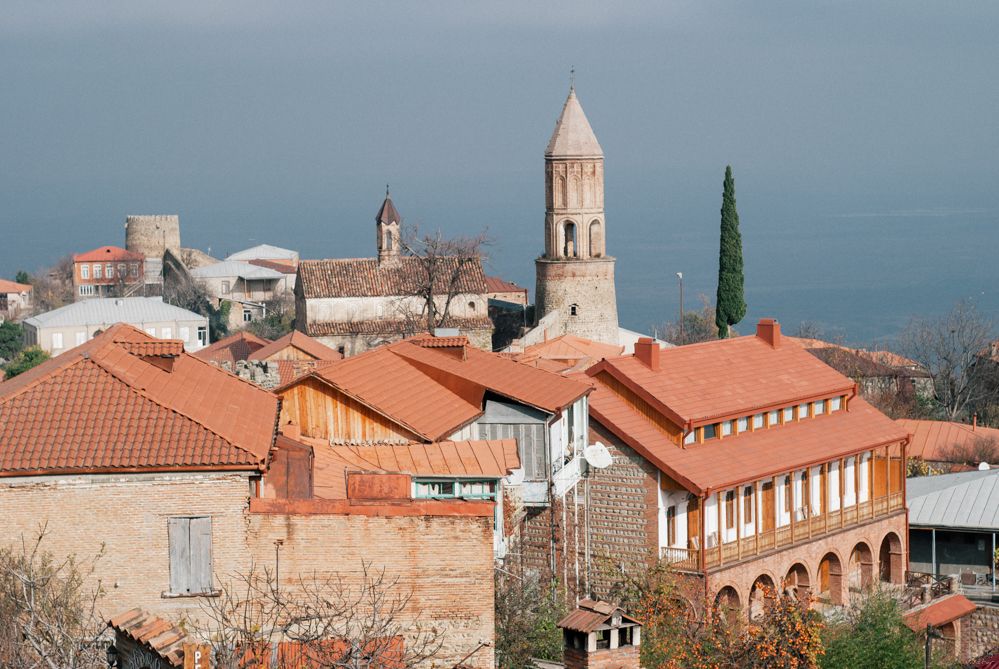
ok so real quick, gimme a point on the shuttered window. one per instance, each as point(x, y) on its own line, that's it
point(190, 555)
point(530, 443)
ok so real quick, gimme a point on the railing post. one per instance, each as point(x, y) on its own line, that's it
point(721, 537)
point(842, 490)
point(738, 521)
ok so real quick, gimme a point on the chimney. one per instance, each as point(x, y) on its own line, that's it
point(647, 351)
point(974, 421)
point(598, 635)
point(292, 431)
point(768, 329)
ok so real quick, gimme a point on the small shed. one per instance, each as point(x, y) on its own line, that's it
point(600, 634)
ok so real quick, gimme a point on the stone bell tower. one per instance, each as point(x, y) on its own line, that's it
point(387, 222)
point(575, 276)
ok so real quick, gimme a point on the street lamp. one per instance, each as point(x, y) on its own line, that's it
point(679, 276)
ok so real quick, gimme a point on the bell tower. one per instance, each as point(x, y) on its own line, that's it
point(387, 222)
point(575, 276)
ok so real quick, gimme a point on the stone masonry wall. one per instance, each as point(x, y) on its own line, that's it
point(589, 284)
point(151, 235)
point(979, 632)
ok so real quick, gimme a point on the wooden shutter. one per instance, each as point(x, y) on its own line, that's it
point(201, 554)
point(180, 555)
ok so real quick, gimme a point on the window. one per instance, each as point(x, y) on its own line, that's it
point(151, 332)
point(758, 421)
point(81, 337)
point(84, 271)
point(573, 309)
point(440, 489)
point(788, 414)
point(133, 269)
point(56, 340)
point(531, 444)
point(477, 489)
point(341, 349)
point(726, 428)
point(802, 411)
point(247, 315)
point(773, 418)
point(835, 404)
point(202, 335)
point(185, 334)
point(109, 271)
point(742, 425)
point(471, 306)
point(690, 437)
point(787, 494)
point(747, 504)
point(226, 287)
point(603, 639)
point(190, 555)
point(87, 289)
point(820, 407)
point(166, 333)
point(711, 431)
point(730, 509)
point(97, 271)
point(671, 526)
point(625, 636)
point(121, 270)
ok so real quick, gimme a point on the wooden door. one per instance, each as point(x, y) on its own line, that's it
point(768, 506)
point(694, 522)
point(880, 476)
point(824, 490)
point(824, 576)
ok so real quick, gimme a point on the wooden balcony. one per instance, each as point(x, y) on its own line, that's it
point(801, 531)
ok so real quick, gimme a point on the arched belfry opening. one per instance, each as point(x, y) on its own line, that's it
point(596, 239)
point(570, 249)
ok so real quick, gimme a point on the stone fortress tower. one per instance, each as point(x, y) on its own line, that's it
point(575, 276)
point(152, 235)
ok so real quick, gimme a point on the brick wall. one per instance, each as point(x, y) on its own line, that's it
point(446, 562)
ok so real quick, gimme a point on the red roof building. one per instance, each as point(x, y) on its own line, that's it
point(761, 465)
point(233, 348)
point(108, 271)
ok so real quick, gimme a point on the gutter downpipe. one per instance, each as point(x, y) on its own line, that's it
point(933, 551)
point(703, 551)
point(993, 561)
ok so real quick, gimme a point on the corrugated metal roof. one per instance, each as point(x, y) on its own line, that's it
point(235, 268)
point(108, 311)
point(264, 252)
point(930, 438)
point(968, 500)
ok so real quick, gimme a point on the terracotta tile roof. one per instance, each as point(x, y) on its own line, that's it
point(702, 382)
point(428, 341)
point(721, 463)
point(167, 348)
point(99, 407)
point(299, 340)
point(931, 437)
point(365, 277)
point(283, 266)
point(387, 213)
point(459, 459)
point(494, 284)
point(156, 635)
point(389, 327)
point(235, 347)
point(569, 352)
point(289, 370)
point(107, 253)
point(14, 287)
point(591, 615)
point(897, 363)
point(938, 612)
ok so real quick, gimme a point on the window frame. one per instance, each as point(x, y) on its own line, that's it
point(730, 509)
point(190, 575)
point(84, 271)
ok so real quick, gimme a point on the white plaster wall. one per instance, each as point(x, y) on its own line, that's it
point(348, 309)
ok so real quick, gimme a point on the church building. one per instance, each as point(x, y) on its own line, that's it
point(575, 276)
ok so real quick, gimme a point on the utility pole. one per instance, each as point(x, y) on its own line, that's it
point(931, 633)
point(683, 339)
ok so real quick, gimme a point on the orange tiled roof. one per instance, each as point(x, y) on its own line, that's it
point(494, 284)
point(703, 382)
point(931, 437)
point(233, 348)
point(14, 287)
point(289, 370)
point(366, 277)
point(389, 327)
point(460, 459)
point(938, 612)
point(720, 463)
point(283, 266)
point(569, 352)
point(105, 253)
point(886, 358)
point(299, 340)
point(155, 634)
point(101, 407)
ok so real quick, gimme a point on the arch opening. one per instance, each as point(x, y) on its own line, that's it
point(890, 559)
point(728, 605)
point(763, 589)
point(830, 587)
point(797, 581)
point(596, 239)
point(569, 247)
point(861, 568)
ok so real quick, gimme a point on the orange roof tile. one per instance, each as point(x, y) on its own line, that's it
point(938, 612)
point(459, 459)
point(14, 287)
point(235, 347)
point(283, 266)
point(703, 382)
point(389, 327)
point(100, 406)
point(931, 437)
point(720, 463)
point(299, 340)
point(289, 370)
point(366, 277)
point(160, 636)
point(107, 253)
point(569, 352)
point(495, 284)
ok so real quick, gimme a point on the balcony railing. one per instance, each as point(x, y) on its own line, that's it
point(802, 530)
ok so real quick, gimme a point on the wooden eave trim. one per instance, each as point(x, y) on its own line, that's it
point(689, 485)
point(682, 423)
point(381, 508)
point(158, 469)
point(850, 391)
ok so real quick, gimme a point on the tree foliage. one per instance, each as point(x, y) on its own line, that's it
point(30, 357)
point(22, 277)
point(873, 636)
point(53, 287)
point(786, 636)
point(698, 326)
point(730, 305)
point(193, 296)
point(527, 612)
point(279, 321)
point(11, 340)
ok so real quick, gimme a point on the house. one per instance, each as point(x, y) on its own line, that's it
point(15, 299)
point(421, 393)
point(949, 616)
point(500, 290)
point(953, 524)
point(247, 286)
point(269, 364)
point(266, 252)
point(108, 271)
point(61, 329)
point(947, 443)
point(744, 462)
point(232, 349)
point(567, 353)
point(354, 304)
point(177, 470)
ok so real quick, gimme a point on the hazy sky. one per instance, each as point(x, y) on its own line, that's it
point(282, 123)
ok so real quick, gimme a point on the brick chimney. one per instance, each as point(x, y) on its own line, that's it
point(599, 635)
point(768, 329)
point(647, 351)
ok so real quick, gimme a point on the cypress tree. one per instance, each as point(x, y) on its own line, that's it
point(730, 304)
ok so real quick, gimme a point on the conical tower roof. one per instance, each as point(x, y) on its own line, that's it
point(573, 136)
point(387, 213)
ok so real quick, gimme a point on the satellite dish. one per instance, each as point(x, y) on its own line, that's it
point(597, 456)
point(983, 467)
point(516, 477)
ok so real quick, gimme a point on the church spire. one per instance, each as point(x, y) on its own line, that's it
point(387, 222)
point(573, 136)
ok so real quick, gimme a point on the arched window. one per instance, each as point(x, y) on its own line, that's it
point(569, 249)
point(573, 309)
point(596, 239)
point(471, 306)
point(560, 192)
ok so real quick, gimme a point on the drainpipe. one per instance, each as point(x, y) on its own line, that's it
point(993, 562)
point(933, 552)
point(703, 551)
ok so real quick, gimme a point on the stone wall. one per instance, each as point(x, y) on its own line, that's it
point(588, 284)
point(151, 235)
point(979, 632)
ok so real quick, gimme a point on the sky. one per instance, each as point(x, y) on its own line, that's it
point(863, 137)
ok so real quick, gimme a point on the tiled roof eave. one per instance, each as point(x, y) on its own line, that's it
point(249, 467)
point(742, 412)
point(624, 379)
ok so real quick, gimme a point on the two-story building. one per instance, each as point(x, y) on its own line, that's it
point(15, 299)
point(247, 286)
point(108, 271)
point(744, 463)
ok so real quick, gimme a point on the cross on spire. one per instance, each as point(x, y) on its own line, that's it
point(572, 77)
point(386, 190)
